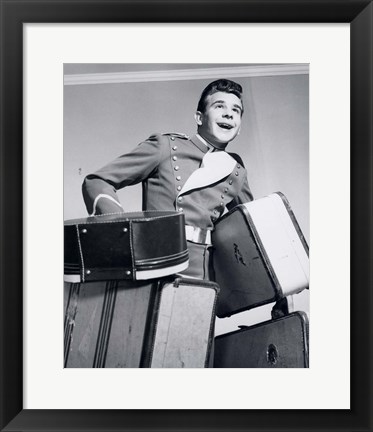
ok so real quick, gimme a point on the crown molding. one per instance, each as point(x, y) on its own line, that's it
point(187, 74)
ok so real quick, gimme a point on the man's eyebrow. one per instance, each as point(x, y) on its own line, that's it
point(223, 102)
point(218, 102)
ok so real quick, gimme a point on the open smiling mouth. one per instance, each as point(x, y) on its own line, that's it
point(225, 126)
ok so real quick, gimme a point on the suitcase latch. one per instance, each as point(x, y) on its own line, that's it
point(272, 354)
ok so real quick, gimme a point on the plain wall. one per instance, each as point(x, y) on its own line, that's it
point(102, 122)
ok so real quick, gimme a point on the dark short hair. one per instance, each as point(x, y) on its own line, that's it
point(220, 85)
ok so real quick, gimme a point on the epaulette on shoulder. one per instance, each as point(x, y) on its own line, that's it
point(177, 135)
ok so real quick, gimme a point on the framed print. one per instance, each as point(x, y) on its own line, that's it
point(37, 40)
point(280, 95)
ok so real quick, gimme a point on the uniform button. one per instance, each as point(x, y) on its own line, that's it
point(88, 272)
point(179, 188)
point(215, 212)
point(225, 190)
point(180, 199)
point(213, 218)
point(236, 173)
point(84, 231)
point(222, 196)
point(230, 181)
point(174, 148)
point(174, 158)
point(221, 204)
point(180, 209)
point(176, 168)
point(178, 178)
point(238, 166)
point(172, 138)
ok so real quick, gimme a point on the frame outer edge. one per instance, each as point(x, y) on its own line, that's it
point(362, 217)
point(11, 205)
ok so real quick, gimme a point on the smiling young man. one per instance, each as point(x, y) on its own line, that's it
point(194, 175)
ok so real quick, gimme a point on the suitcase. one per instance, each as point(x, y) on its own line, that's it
point(182, 326)
point(280, 343)
point(161, 323)
point(105, 323)
point(121, 246)
point(259, 256)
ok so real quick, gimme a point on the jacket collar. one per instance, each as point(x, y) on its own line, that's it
point(201, 143)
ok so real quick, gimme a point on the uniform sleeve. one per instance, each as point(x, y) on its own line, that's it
point(99, 189)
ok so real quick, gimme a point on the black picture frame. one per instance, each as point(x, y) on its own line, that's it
point(360, 16)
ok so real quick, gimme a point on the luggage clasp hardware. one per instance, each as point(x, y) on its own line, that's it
point(272, 354)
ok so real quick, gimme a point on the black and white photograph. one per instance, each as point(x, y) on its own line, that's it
point(186, 215)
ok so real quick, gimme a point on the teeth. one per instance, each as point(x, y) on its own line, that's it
point(225, 126)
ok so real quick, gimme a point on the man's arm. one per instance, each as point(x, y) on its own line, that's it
point(99, 189)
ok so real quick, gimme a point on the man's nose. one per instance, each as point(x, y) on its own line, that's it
point(228, 114)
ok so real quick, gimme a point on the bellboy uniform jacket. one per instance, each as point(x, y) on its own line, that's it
point(164, 163)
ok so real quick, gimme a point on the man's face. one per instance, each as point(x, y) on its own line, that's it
point(221, 121)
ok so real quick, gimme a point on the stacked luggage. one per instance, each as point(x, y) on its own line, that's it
point(262, 245)
point(124, 306)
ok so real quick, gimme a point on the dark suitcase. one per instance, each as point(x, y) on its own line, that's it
point(120, 246)
point(259, 256)
point(281, 343)
point(130, 324)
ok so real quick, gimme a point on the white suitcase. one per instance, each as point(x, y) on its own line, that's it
point(260, 255)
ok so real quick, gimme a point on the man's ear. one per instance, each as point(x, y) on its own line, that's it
point(198, 117)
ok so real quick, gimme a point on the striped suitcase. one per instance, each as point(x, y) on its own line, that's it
point(280, 343)
point(260, 255)
point(163, 323)
point(105, 323)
